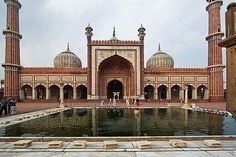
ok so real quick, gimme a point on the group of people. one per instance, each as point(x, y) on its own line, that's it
point(7, 106)
point(128, 102)
point(135, 102)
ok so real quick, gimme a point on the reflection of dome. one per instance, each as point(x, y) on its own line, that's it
point(67, 59)
point(160, 60)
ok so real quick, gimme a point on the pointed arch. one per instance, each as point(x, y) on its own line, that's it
point(175, 92)
point(54, 91)
point(162, 92)
point(26, 92)
point(201, 92)
point(116, 68)
point(40, 92)
point(149, 91)
point(68, 92)
point(81, 92)
point(115, 86)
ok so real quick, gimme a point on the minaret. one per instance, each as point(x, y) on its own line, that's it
point(141, 35)
point(215, 66)
point(89, 34)
point(12, 50)
point(230, 43)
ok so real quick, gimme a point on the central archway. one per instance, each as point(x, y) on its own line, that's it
point(115, 86)
point(116, 74)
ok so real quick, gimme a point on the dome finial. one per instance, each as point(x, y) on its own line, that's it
point(114, 32)
point(159, 47)
point(68, 46)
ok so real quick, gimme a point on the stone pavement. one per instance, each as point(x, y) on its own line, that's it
point(125, 149)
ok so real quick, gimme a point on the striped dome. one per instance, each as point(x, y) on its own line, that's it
point(160, 60)
point(67, 59)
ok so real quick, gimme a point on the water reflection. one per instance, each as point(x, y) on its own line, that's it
point(124, 122)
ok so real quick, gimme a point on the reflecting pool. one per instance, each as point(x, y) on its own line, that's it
point(124, 122)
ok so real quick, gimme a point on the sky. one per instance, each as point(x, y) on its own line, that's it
point(48, 25)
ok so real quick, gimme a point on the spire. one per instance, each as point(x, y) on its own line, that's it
point(114, 34)
point(68, 47)
point(159, 47)
point(114, 31)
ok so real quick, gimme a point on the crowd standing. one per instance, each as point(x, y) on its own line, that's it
point(7, 107)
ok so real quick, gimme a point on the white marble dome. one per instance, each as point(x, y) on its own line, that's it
point(160, 60)
point(67, 59)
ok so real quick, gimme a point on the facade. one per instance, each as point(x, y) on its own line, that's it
point(230, 43)
point(115, 69)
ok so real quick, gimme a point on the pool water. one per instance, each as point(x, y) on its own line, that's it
point(123, 122)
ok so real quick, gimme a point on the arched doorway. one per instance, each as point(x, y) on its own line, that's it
point(162, 92)
point(40, 92)
point(81, 92)
point(68, 92)
point(175, 92)
point(112, 68)
point(115, 86)
point(149, 92)
point(201, 92)
point(190, 92)
point(54, 92)
point(27, 92)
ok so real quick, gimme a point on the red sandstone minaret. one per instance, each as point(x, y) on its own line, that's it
point(89, 34)
point(12, 50)
point(141, 35)
point(215, 66)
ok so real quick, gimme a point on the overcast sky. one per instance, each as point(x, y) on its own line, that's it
point(47, 25)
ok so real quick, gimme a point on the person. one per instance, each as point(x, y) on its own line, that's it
point(127, 102)
point(137, 103)
point(9, 106)
point(4, 106)
point(114, 102)
point(1, 108)
point(13, 106)
point(102, 103)
point(194, 106)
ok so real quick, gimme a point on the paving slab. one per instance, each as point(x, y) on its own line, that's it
point(99, 154)
point(228, 144)
point(173, 154)
point(32, 154)
point(220, 154)
point(2, 143)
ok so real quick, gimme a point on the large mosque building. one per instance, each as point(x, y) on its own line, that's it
point(115, 68)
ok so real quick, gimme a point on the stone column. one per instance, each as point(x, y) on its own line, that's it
point(47, 93)
point(33, 93)
point(74, 93)
point(181, 94)
point(185, 106)
point(61, 96)
point(156, 93)
point(168, 94)
point(186, 95)
point(195, 93)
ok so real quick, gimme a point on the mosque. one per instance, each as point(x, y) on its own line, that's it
point(115, 68)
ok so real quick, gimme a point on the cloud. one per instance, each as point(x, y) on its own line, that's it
point(47, 26)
